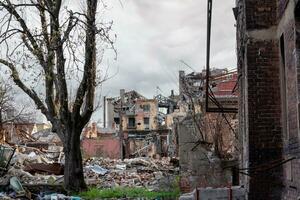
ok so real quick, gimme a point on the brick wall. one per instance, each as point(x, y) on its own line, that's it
point(260, 14)
point(261, 99)
point(103, 147)
point(265, 139)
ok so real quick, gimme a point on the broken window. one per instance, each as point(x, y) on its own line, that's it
point(146, 121)
point(131, 122)
point(146, 108)
point(117, 120)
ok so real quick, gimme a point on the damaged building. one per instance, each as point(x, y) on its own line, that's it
point(100, 142)
point(268, 47)
point(139, 122)
point(206, 140)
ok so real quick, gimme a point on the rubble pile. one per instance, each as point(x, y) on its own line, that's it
point(36, 168)
point(26, 168)
point(137, 172)
point(30, 166)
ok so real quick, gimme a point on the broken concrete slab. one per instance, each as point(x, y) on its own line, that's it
point(42, 168)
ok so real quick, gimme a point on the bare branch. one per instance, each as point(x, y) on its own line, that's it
point(36, 49)
point(87, 85)
point(30, 92)
point(71, 25)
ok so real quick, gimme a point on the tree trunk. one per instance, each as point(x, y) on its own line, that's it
point(73, 171)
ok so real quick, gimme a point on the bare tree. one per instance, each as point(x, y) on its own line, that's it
point(9, 112)
point(52, 44)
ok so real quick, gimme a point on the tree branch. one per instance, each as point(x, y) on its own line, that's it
point(31, 93)
point(37, 50)
point(57, 45)
point(88, 82)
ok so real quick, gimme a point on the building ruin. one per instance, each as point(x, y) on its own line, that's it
point(268, 68)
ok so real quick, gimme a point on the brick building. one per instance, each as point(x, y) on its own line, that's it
point(139, 124)
point(268, 47)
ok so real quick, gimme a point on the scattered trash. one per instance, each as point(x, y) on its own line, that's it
point(97, 169)
point(121, 166)
point(32, 155)
point(6, 154)
point(34, 166)
point(17, 186)
point(136, 172)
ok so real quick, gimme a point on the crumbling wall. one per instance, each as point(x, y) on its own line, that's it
point(107, 147)
point(221, 134)
point(268, 104)
point(151, 114)
point(199, 167)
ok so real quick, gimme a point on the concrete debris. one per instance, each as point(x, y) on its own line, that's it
point(137, 172)
point(187, 196)
point(56, 196)
point(47, 136)
point(17, 186)
point(12, 188)
point(53, 168)
point(97, 169)
point(33, 166)
point(121, 166)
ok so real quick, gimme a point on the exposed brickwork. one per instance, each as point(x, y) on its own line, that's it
point(261, 100)
point(264, 117)
point(261, 14)
point(184, 185)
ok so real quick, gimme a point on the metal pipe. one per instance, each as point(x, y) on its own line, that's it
point(209, 15)
point(220, 109)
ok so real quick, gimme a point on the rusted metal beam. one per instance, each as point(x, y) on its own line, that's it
point(209, 15)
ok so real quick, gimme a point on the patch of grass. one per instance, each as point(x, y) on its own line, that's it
point(127, 192)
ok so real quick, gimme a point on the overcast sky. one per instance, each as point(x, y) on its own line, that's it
point(154, 35)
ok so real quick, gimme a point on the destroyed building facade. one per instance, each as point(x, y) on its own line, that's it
point(268, 50)
point(206, 142)
point(139, 123)
point(17, 132)
point(100, 142)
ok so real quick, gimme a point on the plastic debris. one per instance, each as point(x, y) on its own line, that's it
point(97, 169)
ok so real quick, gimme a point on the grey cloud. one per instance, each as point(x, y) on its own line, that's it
point(154, 35)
